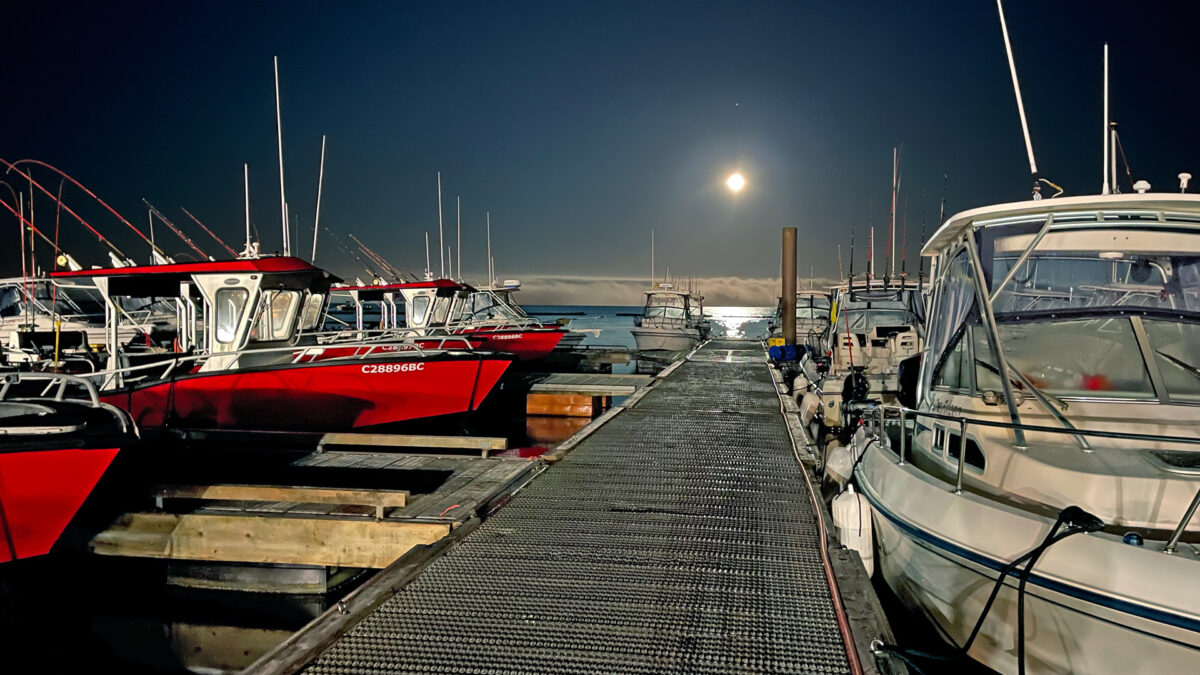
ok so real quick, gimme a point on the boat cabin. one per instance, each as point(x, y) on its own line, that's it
point(228, 307)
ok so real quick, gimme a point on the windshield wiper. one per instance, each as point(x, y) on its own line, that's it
point(1192, 370)
point(1048, 401)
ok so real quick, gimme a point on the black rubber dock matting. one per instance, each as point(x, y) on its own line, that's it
point(678, 538)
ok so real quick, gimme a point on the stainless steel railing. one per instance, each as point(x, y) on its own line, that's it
point(902, 414)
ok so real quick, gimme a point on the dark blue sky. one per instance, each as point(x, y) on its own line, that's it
point(581, 125)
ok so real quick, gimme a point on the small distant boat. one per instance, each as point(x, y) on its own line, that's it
point(812, 318)
point(671, 321)
point(441, 308)
point(53, 451)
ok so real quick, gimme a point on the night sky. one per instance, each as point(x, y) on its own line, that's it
point(582, 125)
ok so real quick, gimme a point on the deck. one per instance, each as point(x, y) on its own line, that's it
point(678, 536)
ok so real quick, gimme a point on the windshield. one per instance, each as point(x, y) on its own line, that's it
point(868, 320)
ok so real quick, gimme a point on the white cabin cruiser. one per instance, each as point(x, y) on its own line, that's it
point(1059, 395)
point(875, 325)
point(812, 318)
point(671, 321)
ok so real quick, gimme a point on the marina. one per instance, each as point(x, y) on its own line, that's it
point(417, 405)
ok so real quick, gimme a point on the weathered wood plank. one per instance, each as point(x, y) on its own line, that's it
point(414, 441)
point(285, 493)
point(297, 541)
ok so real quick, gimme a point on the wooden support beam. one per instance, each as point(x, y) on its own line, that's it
point(255, 539)
point(484, 444)
point(380, 499)
point(565, 405)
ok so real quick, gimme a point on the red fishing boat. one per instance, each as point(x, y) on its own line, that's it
point(249, 353)
point(53, 451)
point(440, 308)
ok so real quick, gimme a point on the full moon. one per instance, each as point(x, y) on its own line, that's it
point(735, 182)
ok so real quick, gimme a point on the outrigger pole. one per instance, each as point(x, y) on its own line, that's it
point(287, 247)
point(1012, 67)
point(320, 184)
point(441, 241)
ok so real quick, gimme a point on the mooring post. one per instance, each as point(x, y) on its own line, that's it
point(788, 296)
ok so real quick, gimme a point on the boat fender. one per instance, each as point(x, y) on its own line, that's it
point(852, 517)
point(810, 403)
point(839, 464)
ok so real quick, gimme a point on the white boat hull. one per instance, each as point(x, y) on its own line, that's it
point(1093, 604)
point(670, 340)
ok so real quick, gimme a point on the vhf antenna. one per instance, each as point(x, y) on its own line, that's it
point(1012, 67)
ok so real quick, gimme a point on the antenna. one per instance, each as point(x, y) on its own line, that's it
point(287, 247)
point(839, 247)
point(904, 242)
point(853, 208)
point(652, 277)
point(1113, 130)
point(441, 242)
point(246, 192)
point(427, 272)
point(320, 184)
point(1104, 189)
point(1012, 67)
point(458, 265)
point(490, 262)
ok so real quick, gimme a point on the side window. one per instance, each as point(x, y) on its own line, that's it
point(974, 454)
point(231, 303)
point(276, 317)
point(312, 311)
point(419, 307)
point(954, 374)
point(441, 308)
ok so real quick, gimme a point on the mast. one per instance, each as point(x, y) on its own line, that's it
point(458, 265)
point(320, 183)
point(652, 279)
point(428, 274)
point(891, 247)
point(287, 247)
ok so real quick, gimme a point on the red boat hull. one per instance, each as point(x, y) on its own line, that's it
point(320, 396)
point(40, 492)
point(527, 345)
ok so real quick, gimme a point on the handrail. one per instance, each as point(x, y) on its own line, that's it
point(62, 379)
point(964, 421)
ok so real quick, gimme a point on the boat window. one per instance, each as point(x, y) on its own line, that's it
point(276, 320)
point(312, 311)
point(419, 306)
point(1097, 280)
point(441, 308)
point(987, 373)
point(974, 454)
point(1096, 357)
point(230, 303)
point(956, 373)
point(1176, 348)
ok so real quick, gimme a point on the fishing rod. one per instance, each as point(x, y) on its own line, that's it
point(904, 243)
point(921, 258)
point(76, 216)
point(179, 233)
point(384, 264)
point(92, 195)
point(348, 251)
point(38, 232)
point(210, 232)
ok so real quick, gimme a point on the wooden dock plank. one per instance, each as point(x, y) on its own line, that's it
point(298, 541)
point(414, 441)
point(285, 493)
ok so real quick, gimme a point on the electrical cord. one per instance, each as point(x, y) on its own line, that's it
point(1075, 521)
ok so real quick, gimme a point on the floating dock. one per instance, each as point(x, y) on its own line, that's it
point(677, 533)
